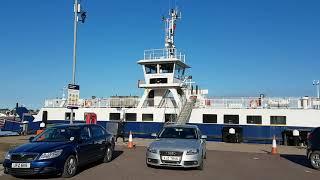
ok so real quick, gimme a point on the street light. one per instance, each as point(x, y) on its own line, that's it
point(316, 83)
point(79, 16)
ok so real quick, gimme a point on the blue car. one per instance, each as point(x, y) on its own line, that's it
point(60, 150)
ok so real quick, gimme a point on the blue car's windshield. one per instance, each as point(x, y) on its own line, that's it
point(58, 134)
point(178, 133)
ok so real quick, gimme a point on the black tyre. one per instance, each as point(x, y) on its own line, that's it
point(108, 155)
point(70, 167)
point(148, 165)
point(315, 160)
point(200, 167)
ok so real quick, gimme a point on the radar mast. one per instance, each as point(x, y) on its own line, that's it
point(170, 27)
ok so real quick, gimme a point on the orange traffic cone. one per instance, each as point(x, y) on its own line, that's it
point(274, 146)
point(130, 143)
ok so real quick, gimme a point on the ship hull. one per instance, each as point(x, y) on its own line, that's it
point(214, 132)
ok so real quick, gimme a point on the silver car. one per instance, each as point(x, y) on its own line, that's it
point(178, 146)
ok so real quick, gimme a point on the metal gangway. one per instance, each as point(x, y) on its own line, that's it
point(185, 112)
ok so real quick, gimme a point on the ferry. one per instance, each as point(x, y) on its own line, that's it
point(171, 96)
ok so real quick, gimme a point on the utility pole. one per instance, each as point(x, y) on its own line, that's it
point(77, 11)
point(316, 83)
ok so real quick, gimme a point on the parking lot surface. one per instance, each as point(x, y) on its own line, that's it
point(130, 165)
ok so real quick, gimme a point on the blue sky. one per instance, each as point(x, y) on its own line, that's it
point(235, 48)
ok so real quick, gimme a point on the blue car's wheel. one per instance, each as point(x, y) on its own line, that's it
point(70, 167)
point(108, 154)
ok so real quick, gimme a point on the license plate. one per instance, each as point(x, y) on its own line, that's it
point(170, 158)
point(20, 165)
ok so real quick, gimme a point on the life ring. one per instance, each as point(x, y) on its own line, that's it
point(254, 103)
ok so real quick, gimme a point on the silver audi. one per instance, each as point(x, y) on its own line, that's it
point(177, 146)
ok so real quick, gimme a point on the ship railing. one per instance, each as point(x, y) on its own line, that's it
point(113, 102)
point(156, 54)
point(55, 103)
point(167, 102)
point(256, 103)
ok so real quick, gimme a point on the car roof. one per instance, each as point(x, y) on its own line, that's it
point(181, 126)
point(71, 125)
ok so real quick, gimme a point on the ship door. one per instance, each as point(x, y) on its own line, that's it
point(151, 98)
point(91, 118)
point(45, 117)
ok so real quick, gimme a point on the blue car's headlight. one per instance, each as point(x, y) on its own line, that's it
point(192, 151)
point(50, 155)
point(7, 156)
point(152, 150)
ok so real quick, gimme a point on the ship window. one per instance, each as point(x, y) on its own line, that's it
point(151, 68)
point(170, 117)
point(278, 120)
point(231, 119)
point(147, 117)
point(166, 68)
point(209, 118)
point(254, 119)
point(178, 72)
point(131, 116)
point(68, 116)
point(114, 116)
point(158, 80)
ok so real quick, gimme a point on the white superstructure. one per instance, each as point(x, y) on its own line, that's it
point(171, 96)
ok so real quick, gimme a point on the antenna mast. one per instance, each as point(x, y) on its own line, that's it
point(170, 27)
point(79, 15)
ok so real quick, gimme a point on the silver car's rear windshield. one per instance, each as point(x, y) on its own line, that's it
point(178, 133)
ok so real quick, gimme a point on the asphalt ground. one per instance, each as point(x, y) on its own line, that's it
point(222, 165)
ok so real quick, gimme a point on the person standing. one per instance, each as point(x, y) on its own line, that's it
point(120, 132)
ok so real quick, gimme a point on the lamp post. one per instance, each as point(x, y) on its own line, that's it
point(77, 18)
point(316, 83)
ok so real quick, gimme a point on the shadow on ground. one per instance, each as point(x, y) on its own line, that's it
point(116, 154)
point(173, 168)
point(298, 159)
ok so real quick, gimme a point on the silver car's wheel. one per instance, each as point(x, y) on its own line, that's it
point(200, 167)
point(315, 159)
point(205, 155)
point(148, 165)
